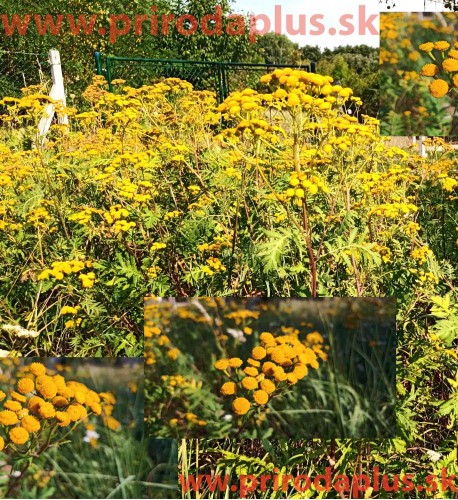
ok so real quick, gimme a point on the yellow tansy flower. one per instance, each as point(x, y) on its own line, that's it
point(241, 406)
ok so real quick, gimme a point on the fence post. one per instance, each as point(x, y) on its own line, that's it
point(98, 62)
point(227, 89)
point(110, 85)
point(57, 93)
point(219, 72)
point(421, 146)
point(313, 67)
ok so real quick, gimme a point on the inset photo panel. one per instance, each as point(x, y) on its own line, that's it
point(418, 74)
point(73, 428)
point(270, 368)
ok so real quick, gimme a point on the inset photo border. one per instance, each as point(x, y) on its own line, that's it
point(270, 368)
point(73, 428)
point(418, 74)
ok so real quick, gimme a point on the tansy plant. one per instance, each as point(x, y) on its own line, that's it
point(275, 366)
point(443, 70)
point(158, 190)
point(40, 410)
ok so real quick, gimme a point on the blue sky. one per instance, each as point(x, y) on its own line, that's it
point(331, 10)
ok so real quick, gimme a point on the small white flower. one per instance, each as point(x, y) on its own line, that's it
point(11, 328)
point(227, 417)
point(237, 334)
point(90, 435)
point(434, 456)
point(4, 354)
point(28, 333)
point(19, 331)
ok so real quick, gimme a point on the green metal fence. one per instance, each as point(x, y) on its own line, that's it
point(222, 77)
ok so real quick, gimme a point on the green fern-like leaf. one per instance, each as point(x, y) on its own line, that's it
point(272, 251)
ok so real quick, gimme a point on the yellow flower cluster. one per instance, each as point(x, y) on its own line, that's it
point(294, 79)
point(115, 217)
point(421, 254)
point(444, 67)
point(42, 477)
point(38, 217)
point(158, 246)
point(152, 331)
point(173, 381)
point(411, 228)
point(387, 182)
point(59, 269)
point(383, 251)
point(302, 184)
point(172, 215)
point(275, 365)
point(186, 420)
point(69, 310)
point(219, 243)
point(449, 183)
point(83, 216)
point(294, 90)
point(213, 266)
point(394, 209)
point(153, 272)
point(425, 278)
point(42, 401)
point(240, 315)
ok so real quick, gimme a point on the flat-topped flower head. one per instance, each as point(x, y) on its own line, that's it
point(228, 388)
point(249, 383)
point(241, 406)
point(441, 45)
point(12, 405)
point(37, 369)
point(251, 371)
point(261, 397)
point(8, 417)
point(450, 65)
point(19, 435)
point(438, 88)
point(426, 47)
point(429, 70)
point(222, 364)
point(235, 362)
point(46, 410)
point(25, 385)
point(46, 386)
point(30, 423)
point(63, 418)
point(267, 386)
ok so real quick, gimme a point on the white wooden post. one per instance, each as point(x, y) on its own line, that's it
point(57, 93)
point(421, 146)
